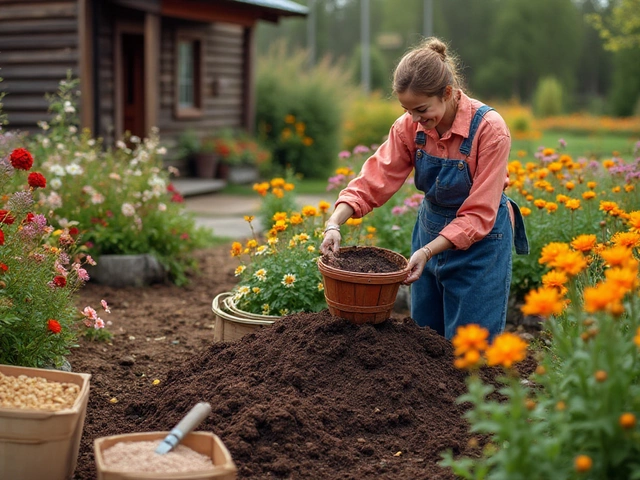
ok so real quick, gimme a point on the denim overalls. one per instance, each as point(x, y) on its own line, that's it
point(459, 287)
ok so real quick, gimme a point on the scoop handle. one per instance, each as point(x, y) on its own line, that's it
point(195, 416)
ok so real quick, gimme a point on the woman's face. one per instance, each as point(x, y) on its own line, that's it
point(428, 111)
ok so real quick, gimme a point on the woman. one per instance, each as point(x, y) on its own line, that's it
point(460, 265)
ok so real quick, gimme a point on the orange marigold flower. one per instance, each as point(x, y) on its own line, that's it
point(551, 250)
point(572, 204)
point(600, 376)
point(616, 189)
point(278, 192)
point(547, 152)
point(551, 207)
point(626, 239)
point(309, 211)
point(353, 222)
point(608, 163)
point(278, 182)
point(617, 255)
point(634, 221)
point(636, 339)
point(470, 359)
point(591, 185)
point(570, 185)
point(602, 297)
point(507, 349)
point(624, 278)
point(525, 211)
point(627, 420)
point(589, 195)
point(236, 249)
point(608, 206)
point(540, 203)
point(288, 187)
point(582, 463)
point(279, 216)
point(584, 243)
point(560, 198)
point(555, 166)
point(556, 279)
point(470, 337)
point(629, 187)
point(323, 206)
point(543, 301)
point(296, 219)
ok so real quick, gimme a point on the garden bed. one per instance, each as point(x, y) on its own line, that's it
point(311, 396)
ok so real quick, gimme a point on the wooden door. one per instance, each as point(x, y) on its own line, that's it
point(133, 107)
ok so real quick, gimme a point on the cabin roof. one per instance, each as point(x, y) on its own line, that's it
point(281, 7)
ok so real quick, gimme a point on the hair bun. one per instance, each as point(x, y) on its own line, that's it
point(438, 46)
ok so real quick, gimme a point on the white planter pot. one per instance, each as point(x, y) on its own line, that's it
point(127, 270)
point(243, 175)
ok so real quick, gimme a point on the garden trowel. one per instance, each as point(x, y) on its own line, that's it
point(190, 421)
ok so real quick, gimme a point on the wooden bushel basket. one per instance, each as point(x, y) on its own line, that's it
point(363, 297)
point(232, 323)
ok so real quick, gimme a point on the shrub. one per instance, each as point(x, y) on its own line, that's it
point(368, 120)
point(41, 269)
point(548, 98)
point(299, 111)
point(121, 199)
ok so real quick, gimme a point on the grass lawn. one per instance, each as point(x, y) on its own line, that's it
point(598, 145)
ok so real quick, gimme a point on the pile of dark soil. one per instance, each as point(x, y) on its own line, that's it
point(365, 260)
point(315, 396)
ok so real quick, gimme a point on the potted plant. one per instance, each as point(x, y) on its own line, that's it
point(199, 153)
point(241, 158)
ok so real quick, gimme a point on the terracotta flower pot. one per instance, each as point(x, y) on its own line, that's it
point(363, 297)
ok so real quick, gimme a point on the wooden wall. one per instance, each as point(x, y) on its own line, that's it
point(223, 89)
point(38, 45)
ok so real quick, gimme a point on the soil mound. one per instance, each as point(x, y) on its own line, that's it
point(315, 396)
point(365, 260)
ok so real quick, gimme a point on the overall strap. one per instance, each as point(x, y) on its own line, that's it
point(465, 148)
point(421, 138)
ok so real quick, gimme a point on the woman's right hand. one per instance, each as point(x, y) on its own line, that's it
point(331, 242)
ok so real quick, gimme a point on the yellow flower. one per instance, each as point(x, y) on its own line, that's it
point(236, 249)
point(261, 249)
point(547, 152)
point(311, 249)
point(354, 221)
point(288, 280)
point(278, 192)
point(506, 349)
point(616, 189)
point(256, 290)
point(296, 219)
point(290, 119)
point(627, 420)
point(309, 211)
point(266, 309)
point(555, 166)
point(57, 233)
point(278, 182)
point(303, 238)
point(252, 243)
point(629, 188)
point(582, 463)
point(608, 206)
point(551, 207)
point(239, 270)
point(540, 203)
point(543, 301)
point(584, 243)
point(470, 337)
point(249, 218)
point(560, 198)
point(565, 159)
point(261, 274)
point(608, 163)
point(589, 195)
point(323, 206)
point(307, 141)
point(634, 221)
point(572, 204)
point(525, 211)
point(261, 188)
point(570, 185)
point(280, 226)
point(279, 216)
point(371, 229)
point(288, 187)
point(320, 286)
point(624, 278)
point(591, 185)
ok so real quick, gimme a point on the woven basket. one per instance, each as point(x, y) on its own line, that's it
point(233, 323)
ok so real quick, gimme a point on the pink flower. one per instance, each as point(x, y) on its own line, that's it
point(99, 323)
point(105, 306)
point(91, 261)
point(83, 275)
point(90, 313)
point(344, 154)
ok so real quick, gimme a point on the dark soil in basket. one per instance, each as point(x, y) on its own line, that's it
point(364, 260)
point(311, 397)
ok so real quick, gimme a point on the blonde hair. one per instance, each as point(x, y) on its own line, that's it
point(427, 70)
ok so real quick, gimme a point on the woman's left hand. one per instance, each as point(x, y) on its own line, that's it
point(416, 265)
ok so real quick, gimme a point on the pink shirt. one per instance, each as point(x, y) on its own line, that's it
point(386, 170)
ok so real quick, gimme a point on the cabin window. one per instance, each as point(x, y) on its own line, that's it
point(188, 76)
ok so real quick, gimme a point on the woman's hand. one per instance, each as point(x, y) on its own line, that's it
point(416, 265)
point(331, 242)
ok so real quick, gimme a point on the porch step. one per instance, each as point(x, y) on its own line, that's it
point(197, 186)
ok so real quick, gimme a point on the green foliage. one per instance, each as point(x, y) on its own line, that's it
point(368, 120)
point(380, 72)
point(548, 98)
point(620, 29)
point(299, 111)
point(625, 88)
point(121, 199)
point(577, 416)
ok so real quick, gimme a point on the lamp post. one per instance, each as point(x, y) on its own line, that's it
point(365, 65)
point(427, 18)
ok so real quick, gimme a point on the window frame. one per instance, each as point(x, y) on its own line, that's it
point(198, 40)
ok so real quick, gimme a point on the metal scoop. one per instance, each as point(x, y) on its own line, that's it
point(190, 421)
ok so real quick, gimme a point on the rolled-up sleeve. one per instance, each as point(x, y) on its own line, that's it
point(477, 215)
point(383, 173)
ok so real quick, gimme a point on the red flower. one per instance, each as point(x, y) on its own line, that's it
point(177, 198)
point(59, 281)
point(21, 159)
point(6, 217)
point(171, 188)
point(1, 237)
point(36, 180)
point(3, 267)
point(74, 231)
point(29, 218)
point(54, 326)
